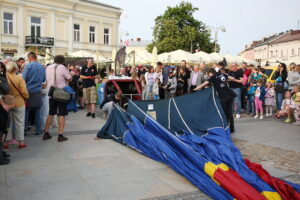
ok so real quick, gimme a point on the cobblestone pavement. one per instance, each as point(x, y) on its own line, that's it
point(281, 158)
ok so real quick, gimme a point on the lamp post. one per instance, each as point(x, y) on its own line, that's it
point(216, 30)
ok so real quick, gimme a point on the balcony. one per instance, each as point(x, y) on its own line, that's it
point(39, 41)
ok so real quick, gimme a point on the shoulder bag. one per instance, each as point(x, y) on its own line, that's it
point(58, 94)
point(25, 99)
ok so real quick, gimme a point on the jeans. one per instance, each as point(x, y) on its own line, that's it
point(37, 117)
point(156, 97)
point(279, 99)
point(108, 107)
point(44, 110)
point(251, 106)
point(149, 91)
point(237, 99)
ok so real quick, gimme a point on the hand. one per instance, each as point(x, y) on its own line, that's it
point(5, 107)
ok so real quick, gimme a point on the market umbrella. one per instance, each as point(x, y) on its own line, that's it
point(179, 55)
point(154, 57)
point(203, 57)
point(215, 57)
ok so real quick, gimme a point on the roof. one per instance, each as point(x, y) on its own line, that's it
point(101, 4)
point(290, 36)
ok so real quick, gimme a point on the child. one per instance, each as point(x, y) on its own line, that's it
point(296, 99)
point(144, 86)
point(250, 97)
point(170, 88)
point(259, 97)
point(156, 89)
point(286, 108)
point(269, 99)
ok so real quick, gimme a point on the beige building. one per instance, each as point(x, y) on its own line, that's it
point(63, 26)
point(282, 47)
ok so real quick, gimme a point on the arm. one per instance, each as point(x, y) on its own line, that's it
point(25, 73)
point(67, 75)
point(23, 89)
point(4, 106)
point(202, 86)
point(4, 87)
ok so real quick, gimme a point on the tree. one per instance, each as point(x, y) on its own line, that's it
point(178, 29)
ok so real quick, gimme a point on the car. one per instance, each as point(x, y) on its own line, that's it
point(270, 72)
point(131, 89)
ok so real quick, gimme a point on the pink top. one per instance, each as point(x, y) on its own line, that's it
point(62, 74)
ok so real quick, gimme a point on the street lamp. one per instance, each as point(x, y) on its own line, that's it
point(216, 30)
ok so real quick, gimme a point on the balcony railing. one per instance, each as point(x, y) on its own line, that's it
point(39, 41)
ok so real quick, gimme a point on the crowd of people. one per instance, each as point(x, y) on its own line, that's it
point(25, 98)
point(25, 92)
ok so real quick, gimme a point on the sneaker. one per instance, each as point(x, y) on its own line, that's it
point(4, 161)
point(256, 116)
point(238, 116)
point(297, 123)
point(93, 115)
point(88, 114)
point(288, 120)
point(22, 146)
point(261, 117)
point(47, 136)
point(5, 155)
point(61, 138)
point(13, 141)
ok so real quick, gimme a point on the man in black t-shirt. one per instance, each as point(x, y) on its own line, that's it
point(219, 81)
point(236, 86)
point(88, 74)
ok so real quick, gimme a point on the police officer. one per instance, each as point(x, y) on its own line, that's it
point(220, 82)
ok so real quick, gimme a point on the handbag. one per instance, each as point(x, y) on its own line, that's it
point(279, 87)
point(58, 94)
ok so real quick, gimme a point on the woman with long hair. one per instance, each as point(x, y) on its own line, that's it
point(150, 79)
point(280, 80)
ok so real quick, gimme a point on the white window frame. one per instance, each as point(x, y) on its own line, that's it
point(35, 26)
point(76, 33)
point(42, 24)
point(9, 23)
point(106, 41)
point(92, 33)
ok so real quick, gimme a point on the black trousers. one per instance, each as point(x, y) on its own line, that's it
point(227, 104)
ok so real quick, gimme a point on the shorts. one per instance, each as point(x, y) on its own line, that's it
point(57, 108)
point(90, 95)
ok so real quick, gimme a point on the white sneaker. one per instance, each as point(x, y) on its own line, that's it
point(261, 117)
point(256, 116)
point(238, 116)
point(267, 115)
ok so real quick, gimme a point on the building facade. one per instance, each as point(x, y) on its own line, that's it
point(62, 26)
point(282, 47)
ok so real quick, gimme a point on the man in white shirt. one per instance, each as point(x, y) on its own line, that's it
point(197, 78)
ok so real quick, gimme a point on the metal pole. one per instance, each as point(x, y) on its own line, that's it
point(97, 59)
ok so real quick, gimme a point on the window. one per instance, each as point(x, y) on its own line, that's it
point(8, 23)
point(76, 32)
point(281, 54)
point(276, 53)
point(298, 52)
point(35, 26)
point(293, 52)
point(106, 36)
point(92, 34)
point(271, 52)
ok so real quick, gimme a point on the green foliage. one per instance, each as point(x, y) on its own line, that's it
point(178, 29)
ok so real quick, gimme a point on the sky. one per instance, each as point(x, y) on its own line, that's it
point(244, 20)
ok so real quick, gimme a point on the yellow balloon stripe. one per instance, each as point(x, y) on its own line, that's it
point(210, 169)
point(271, 195)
